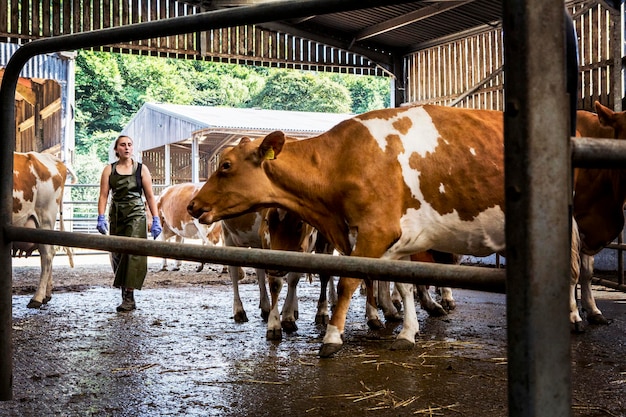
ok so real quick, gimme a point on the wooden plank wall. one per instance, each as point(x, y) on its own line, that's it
point(22, 20)
point(441, 74)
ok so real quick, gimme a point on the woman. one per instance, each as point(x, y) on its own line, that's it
point(126, 179)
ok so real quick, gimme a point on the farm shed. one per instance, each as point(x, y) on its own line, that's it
point(44, 103)
point(179, 142)
point(538, 377)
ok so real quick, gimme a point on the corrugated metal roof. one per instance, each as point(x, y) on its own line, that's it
point(238, 118)
point(156, 125)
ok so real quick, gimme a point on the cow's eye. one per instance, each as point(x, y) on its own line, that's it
point(226, 166)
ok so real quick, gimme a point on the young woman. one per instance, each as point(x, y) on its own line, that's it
point(125, 179)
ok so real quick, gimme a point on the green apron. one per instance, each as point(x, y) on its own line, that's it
point(127, 217)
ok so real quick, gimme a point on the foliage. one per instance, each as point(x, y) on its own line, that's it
point(299, 91)
point(111, 88)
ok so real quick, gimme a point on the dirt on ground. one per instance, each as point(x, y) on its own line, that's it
point(181, 353)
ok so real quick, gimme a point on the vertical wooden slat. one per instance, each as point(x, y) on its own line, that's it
point(106, 13)
point(163, 15)
point(96, 14)
point(4, 16)
point(86, 15)
point(180, 42)
point(25, 18)
point(77, 17)
point(56, 18)
point(35, 20)
point(190, 40)
point(67, 17)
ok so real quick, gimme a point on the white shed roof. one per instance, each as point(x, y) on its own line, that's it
point(156, 125)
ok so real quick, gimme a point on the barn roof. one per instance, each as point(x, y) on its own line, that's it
point(156, 124)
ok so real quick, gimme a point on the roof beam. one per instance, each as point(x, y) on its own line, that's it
point(407, 19)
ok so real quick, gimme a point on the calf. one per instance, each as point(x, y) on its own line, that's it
point(599, 199)
point(387, 183)
point(38, 184)
point(178, 224)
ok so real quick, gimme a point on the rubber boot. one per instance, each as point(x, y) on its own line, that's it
point(128, 301)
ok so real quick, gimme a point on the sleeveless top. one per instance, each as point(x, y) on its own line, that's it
point(126, 201)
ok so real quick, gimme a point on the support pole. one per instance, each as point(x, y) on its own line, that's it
point(537, 186)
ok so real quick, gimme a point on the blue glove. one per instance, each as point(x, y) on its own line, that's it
point(155, 230)
point(103, 225)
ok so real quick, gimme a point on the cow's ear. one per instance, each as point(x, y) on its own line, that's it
point(272, 145)
point(605, 115)
point(244, 139)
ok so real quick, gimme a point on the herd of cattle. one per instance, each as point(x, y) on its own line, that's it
point(420, 183)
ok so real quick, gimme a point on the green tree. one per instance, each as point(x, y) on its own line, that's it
point(100, 104)
point(367, 92)
point(299, 91)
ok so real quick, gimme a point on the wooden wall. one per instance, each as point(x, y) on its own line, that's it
point(446, 73)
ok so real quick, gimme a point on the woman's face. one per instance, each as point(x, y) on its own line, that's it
point(124, 147)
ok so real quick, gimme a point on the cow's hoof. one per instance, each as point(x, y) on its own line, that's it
point(241, 317)
point(597, 319)
point(200, 268)
point(296, 315)
point(176, 268)
point(321, 319)
point(375, 324)
point(329, 349)
point(34, 304)
point(402, 344)
point(577, 327)
point(274, 334)
point(438, 311)
point(164, 269)
point(46, 300)
point(395, 317)
point(289, 326)
point(448, 305)
point(398, 305)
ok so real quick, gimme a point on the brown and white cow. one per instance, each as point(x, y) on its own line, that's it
point(387, 183)
point(178, 224)
point(38, 184)
point(599, 199)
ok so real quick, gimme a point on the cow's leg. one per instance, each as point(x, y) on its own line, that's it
point(447, 300)
point(178, 263)
point(321, 317)
point(236, 274)
point(433, 308)
point(290, 308)
point(44, 290)
point(396, 299)
point(385, 303)
point(371, 306)
point(333, 339)
point(274, 330)
point(576, 321)
point(410, 327)
point(332, 293)
point(164, 264)
point(594, 315)
point(264, 302)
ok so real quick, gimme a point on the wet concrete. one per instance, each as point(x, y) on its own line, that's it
point(180, 353)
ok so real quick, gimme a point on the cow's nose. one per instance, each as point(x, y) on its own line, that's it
point(191, 208)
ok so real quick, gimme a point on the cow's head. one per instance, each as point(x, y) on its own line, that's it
point(615, 120)
point(240, 183)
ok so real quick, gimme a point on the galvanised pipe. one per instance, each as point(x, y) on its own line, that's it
point(598, 153)
point(456, 276)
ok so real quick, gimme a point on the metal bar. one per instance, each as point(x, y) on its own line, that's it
point(456, 276)
point(538, 189)
point(598, 153)
point(161, 28)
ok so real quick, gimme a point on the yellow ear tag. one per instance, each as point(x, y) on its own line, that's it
point(270, 154)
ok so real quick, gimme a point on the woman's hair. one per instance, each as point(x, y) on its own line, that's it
point(118, 141)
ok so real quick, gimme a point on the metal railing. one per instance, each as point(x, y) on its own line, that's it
point(537, 168)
